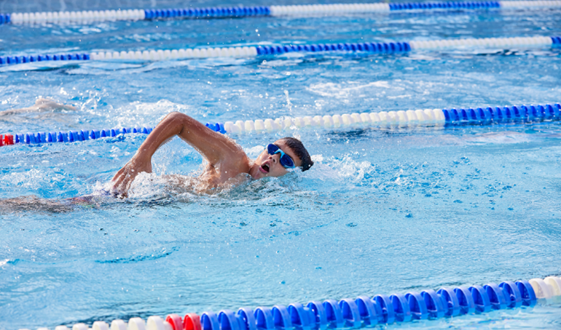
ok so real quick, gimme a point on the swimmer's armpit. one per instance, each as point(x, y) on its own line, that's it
point(41, 105)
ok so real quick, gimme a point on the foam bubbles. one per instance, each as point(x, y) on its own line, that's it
point(148, 186)
point(254, 152)
point(145, 113)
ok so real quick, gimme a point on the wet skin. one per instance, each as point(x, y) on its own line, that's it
point(226, 159)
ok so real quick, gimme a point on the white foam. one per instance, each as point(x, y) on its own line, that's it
point(253, 152)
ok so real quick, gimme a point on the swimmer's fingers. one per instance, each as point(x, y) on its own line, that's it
point(116, 181)
point(126, 185)
point(120, 191)
point(122, 181)
point(122, 185)
point(119, 181)
point(118, 176)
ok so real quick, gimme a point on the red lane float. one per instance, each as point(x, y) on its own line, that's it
point(6, 140)
point(192, 321)
point(175, 321)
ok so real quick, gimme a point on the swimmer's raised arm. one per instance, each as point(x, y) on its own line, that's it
point(212, 145)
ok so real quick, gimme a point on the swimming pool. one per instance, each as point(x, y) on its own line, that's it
point(383, 210)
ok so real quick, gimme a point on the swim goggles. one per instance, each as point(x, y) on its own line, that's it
point(285, 159)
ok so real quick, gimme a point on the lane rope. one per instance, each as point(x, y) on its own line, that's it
point(86, 16)
point(70, 136)
point(363, 311)
point(382, 119)
point(264, 50)
point(409, 118)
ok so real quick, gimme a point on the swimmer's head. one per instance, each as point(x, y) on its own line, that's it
point(270, 164)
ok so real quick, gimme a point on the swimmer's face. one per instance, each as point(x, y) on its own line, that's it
point(269, 165)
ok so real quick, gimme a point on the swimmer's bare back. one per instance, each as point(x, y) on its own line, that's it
point(226, 159)
point(41, 105)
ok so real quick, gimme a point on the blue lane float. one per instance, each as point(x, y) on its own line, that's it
point(213, 12)
point(513, 113)
point(363, 311)
point(4, 18)
point(444, 5)
point(371, 47)
point(268, 50)
point(369, 311)
point(263, 11)
point(76, 136)
point(12, 60)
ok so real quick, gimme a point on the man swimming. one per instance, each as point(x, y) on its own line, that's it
point(226, 159)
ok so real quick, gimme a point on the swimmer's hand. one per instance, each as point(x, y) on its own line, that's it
point(122, 181)
point(214, 147)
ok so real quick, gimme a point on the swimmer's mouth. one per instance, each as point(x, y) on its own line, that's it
point(265, 168)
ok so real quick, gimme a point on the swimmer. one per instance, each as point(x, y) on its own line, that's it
point(227, 165)
point(41, 105)
point(226, 160)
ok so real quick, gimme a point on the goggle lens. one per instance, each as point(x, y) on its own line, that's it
point(285, 160)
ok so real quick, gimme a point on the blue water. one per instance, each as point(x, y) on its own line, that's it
point(381, 211)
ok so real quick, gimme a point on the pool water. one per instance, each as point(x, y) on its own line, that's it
point(381, 211)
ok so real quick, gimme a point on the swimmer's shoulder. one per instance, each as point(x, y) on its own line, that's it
point(235, 156)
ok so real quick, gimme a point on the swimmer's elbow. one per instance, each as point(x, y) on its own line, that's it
point(182, 121)
point(181, 118)
point(176, 116)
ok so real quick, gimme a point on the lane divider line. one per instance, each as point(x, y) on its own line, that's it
point(13, 60)
point(264, 50)
point(409, 118)
point(363, 311)
point(382, 119)
point(71, 136)
point(253, 11)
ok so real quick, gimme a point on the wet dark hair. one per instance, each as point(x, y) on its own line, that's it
point(300, 151)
